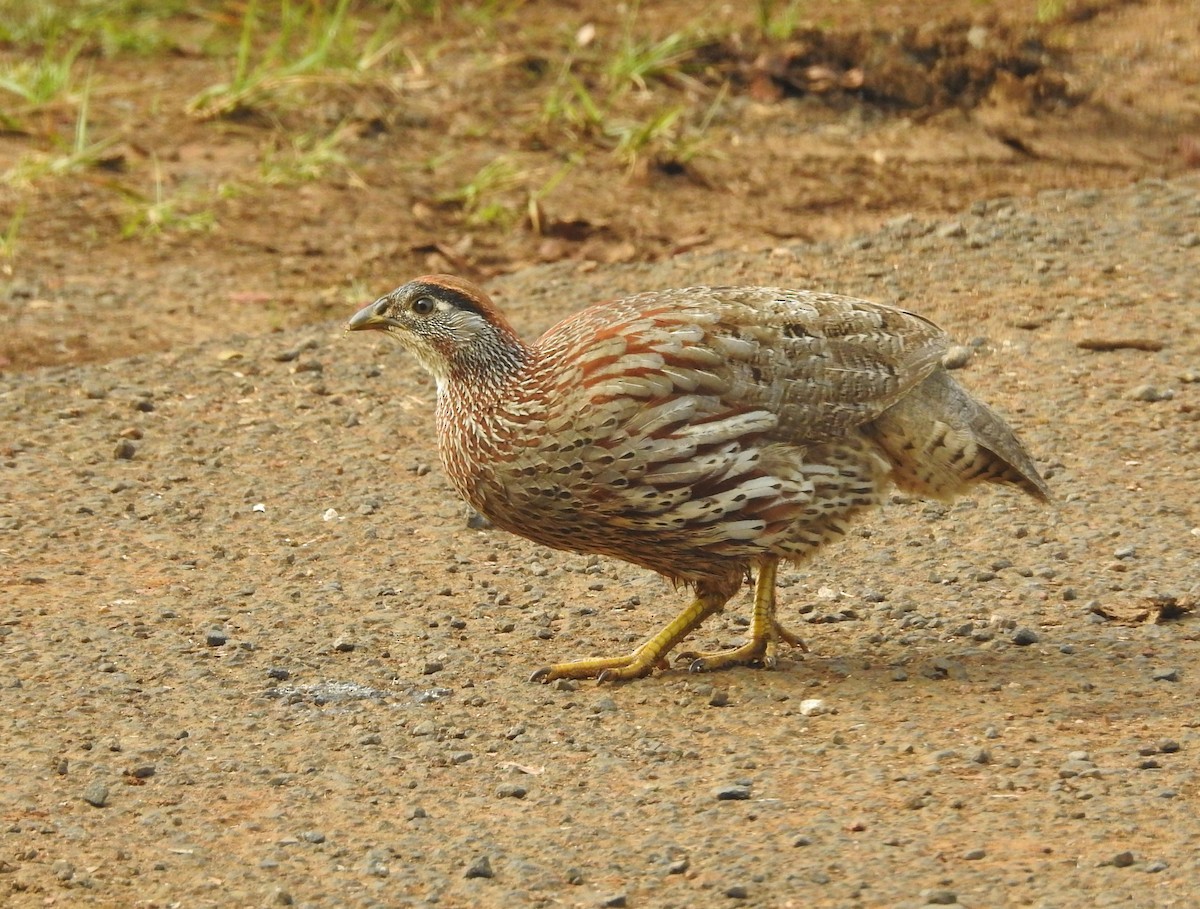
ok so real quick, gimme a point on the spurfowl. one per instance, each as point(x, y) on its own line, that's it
point(699, 432)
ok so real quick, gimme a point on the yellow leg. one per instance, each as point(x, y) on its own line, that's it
point(643, 660)
point(765, 633)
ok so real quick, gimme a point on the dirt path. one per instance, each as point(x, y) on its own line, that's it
point(253, 654)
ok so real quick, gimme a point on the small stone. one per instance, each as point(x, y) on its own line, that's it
point(216, 638)
point(950, 230)
point(511, 791)
point(957, 356)
point(96, 794)
point(1122, 859)
point(802, 840)
point(125, 450)
point(737, 892)
point(476, 521)
point(1168, 746)
point(719, 698)
point(481, 867)
point(1124, 552)
point(974, 855)
point(939, 897)
point(280, 675)
point(313, 836)
point(432, 666)
point(1155, 867)
point(1149, 394)
point(813, 707)
point(738, 792)
point(616, 901)
point(1166, 674)
point(1023, 637)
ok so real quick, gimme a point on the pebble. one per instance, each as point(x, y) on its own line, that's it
point(1122, 859)
point(719, 698)
point(957, 356)
point(939, 897)
point(1166, 674)
point(216, 638)
point(1023, 637)
point(615, 901)
point(813, 707)
point(125, 450)
point(96, 794)
point(737, 892)
point(1149, 394)
point(511, 791)
point(481, 867)
point(738, 792)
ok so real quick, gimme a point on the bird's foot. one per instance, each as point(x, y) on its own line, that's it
point(603, 669)
point(760, 650)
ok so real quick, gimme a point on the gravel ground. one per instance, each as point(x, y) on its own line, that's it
point(253, 653)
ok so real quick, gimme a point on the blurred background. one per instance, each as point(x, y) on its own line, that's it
point(173, 171)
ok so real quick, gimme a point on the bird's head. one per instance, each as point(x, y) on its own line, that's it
point(448, 324)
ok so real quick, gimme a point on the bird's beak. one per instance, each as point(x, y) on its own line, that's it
point(370, 316)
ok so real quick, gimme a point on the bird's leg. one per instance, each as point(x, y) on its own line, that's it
point(765, 632)
point(647, 656)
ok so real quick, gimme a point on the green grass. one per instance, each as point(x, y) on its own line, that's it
point(309, 43)
point(8, 240)
point(110, 27)
point(306, 157)
point(46, 80)
point(637, 62)
point(778, 21)
point(487, 197)
point(82, 154)
point(161, 213)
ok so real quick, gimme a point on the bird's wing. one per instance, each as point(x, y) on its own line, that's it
point(798, 366)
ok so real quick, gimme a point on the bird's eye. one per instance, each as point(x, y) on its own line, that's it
point(422, 306)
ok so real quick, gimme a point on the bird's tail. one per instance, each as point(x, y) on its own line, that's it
point(941, 441)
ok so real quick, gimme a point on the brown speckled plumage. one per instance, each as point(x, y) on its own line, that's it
point(700, 432)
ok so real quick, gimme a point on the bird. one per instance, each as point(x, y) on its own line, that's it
point(705, 433)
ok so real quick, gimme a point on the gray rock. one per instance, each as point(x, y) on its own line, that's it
point(939, 897)
point(1023, 637)
point(734, 793)
point(481, 867)
point(96, 794)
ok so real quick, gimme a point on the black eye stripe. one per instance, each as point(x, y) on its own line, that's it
point(444, 294)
